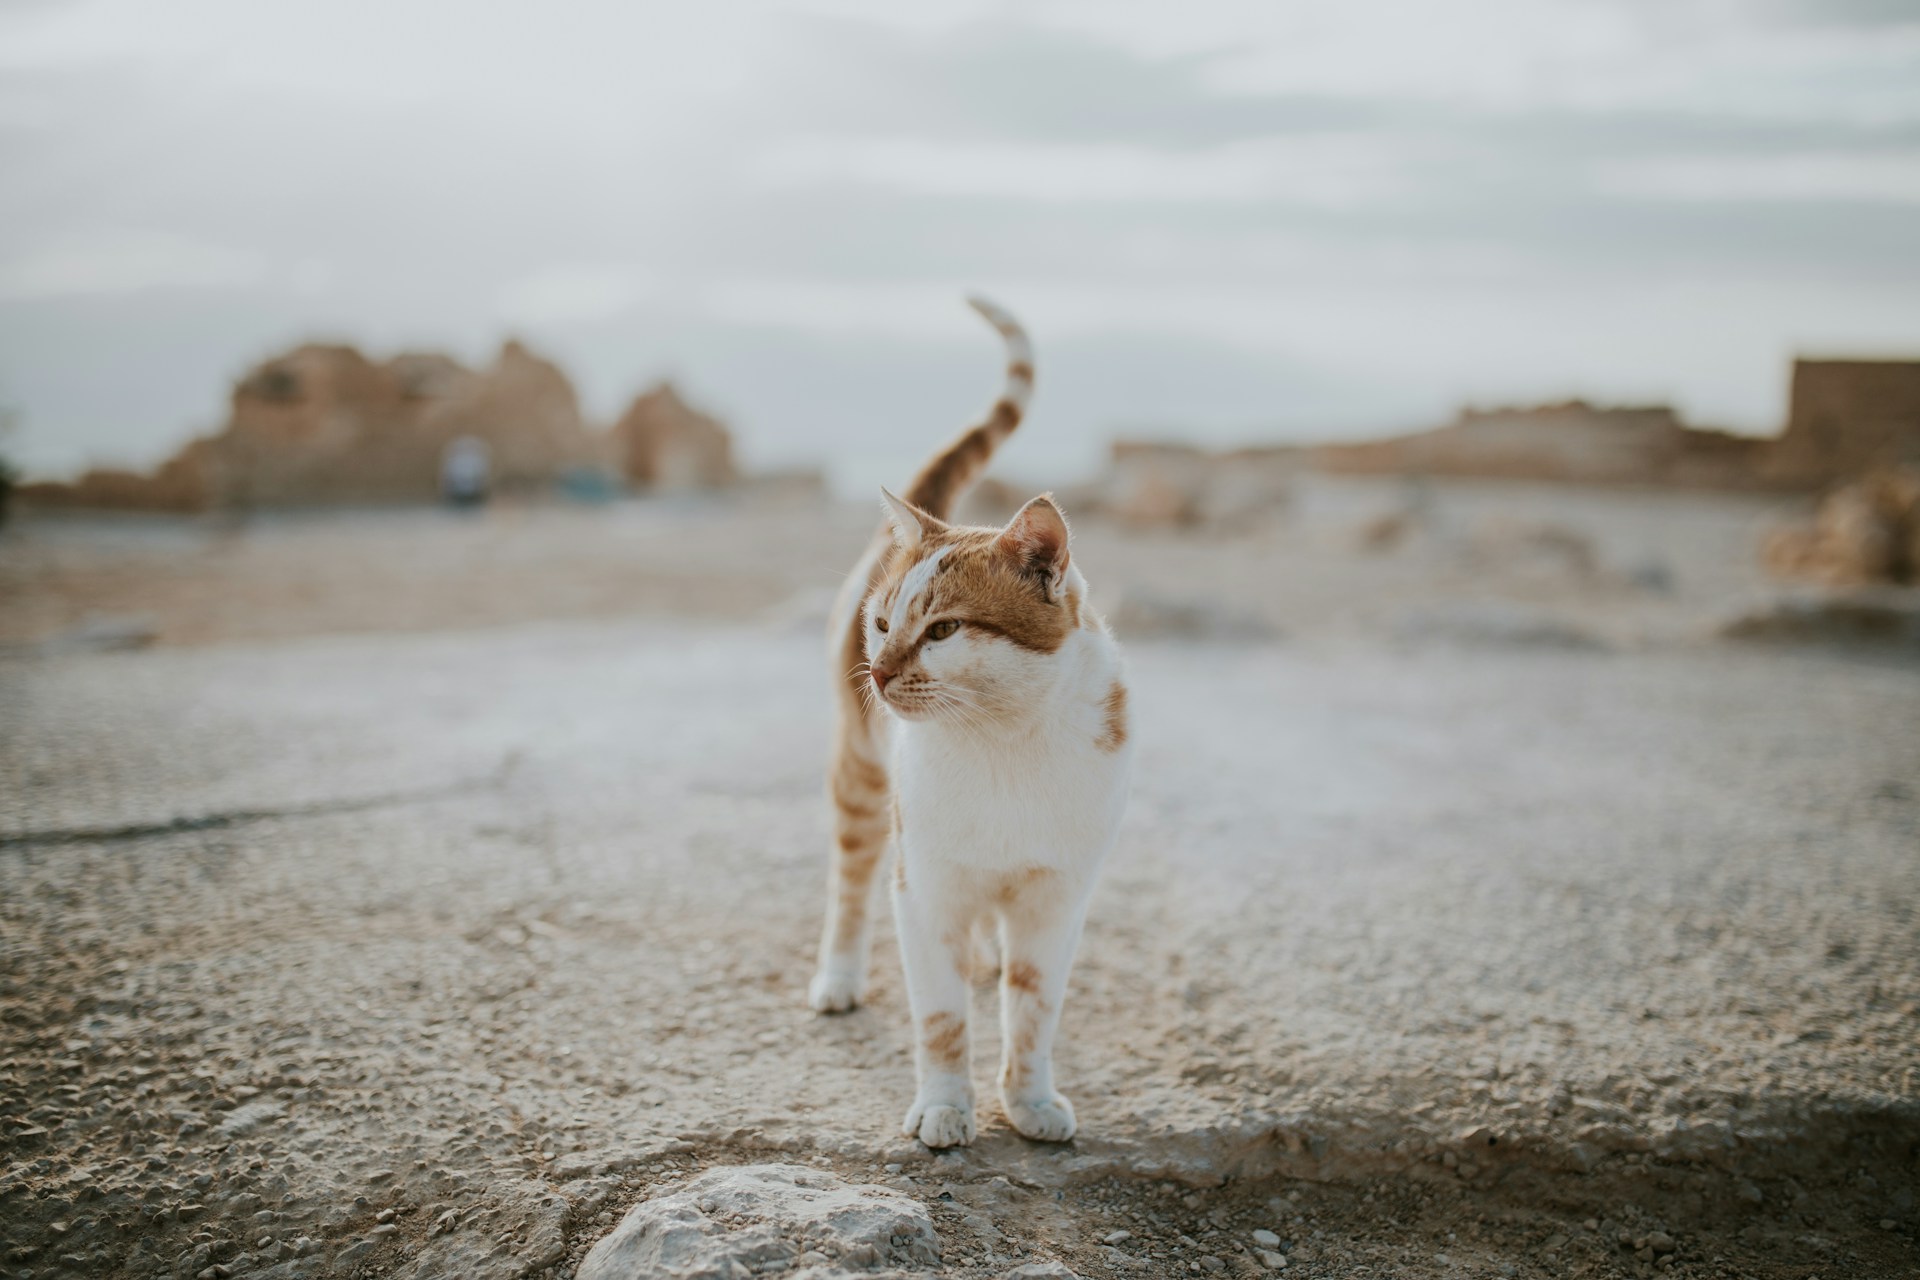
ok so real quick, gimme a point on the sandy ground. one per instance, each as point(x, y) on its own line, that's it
point(1476, 914)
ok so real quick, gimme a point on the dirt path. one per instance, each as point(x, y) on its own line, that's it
point(1435, 961)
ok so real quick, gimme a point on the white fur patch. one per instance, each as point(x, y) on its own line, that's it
point(913, 585)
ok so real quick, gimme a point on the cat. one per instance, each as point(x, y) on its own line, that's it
point(982, 731)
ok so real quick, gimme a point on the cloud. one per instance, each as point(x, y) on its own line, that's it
point(1332, 172)
point(116, 263)
point(1822, 177)
point(572, 293)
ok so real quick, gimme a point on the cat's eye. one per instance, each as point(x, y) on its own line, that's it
point(880, 623)
point(941, 630)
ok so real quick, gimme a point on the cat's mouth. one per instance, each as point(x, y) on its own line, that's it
point(930, 702)
point(910, 704)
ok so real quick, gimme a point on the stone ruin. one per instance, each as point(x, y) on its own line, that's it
point(663, 443)
point(1853, 428)
point(1569, 440)
point(324, 425)
point(1846, 418)
point(1849, 419)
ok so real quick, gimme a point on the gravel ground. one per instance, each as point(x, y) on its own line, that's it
point(429, 954)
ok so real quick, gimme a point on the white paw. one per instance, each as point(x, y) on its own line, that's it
point(940, 1124)
point(1043, 1119)
point(835, 990)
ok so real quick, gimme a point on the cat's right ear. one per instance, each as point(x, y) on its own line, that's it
point(910, 524)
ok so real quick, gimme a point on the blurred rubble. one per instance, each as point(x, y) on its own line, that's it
point(1860, 617)
point(1866, 531)
point(1152, 485)
point(666, 444)
point(323, 425)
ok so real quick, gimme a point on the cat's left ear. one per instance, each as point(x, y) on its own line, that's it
point(911, 525)
point(1037, 538)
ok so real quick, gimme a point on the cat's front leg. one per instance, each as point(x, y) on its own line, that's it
point(1033, 985)
point(934, 953)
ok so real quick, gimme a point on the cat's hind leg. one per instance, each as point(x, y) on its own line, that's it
point(862, 805)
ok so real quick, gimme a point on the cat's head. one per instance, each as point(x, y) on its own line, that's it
point(966, 624)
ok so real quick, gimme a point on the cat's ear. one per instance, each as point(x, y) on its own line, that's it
point(1037, 538)
point(911, 525)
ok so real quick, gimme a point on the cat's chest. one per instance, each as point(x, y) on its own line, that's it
point(1049, 799)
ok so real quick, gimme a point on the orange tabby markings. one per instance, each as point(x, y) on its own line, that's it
point(945, 1040)
point(980, 703)
point(1113, 732)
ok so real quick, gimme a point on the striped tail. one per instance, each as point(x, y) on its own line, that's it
point(947, 475)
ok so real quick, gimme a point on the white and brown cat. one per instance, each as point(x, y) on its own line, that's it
point(982, 729)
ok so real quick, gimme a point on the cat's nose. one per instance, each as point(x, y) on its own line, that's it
point(880, 677)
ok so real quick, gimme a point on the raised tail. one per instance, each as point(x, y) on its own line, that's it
point(948, 473)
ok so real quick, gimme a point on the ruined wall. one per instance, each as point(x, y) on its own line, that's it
point(664, 443)
point(1847, 417)
point(1568, 441)
point(324, 425)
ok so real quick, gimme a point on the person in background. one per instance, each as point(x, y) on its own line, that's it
point(465, 469)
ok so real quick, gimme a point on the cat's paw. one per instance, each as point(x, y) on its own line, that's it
point(835, 989)
point(939, 1124)
point(1042, 1119)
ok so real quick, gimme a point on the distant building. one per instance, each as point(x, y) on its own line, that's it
point(1569, 440)
point(1847, 417)
point(665, 443)
point(324, 425)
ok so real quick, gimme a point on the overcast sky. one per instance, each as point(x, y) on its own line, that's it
point(1224, 221)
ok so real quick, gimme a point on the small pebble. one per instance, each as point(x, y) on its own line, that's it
point(1273, 1261)
point(1266, 1239)
point(1117, 1237)
point(1212, 1263)
point(1661, 1242)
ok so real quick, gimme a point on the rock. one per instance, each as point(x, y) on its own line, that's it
point(1158, 485)
point(1385, 532)
point(105, 633)
point(353, 1255)
point(1271, 1259)
point(1266, 1239)
point(248, 1117)
point(666, 444)
point(1116, 1237)
point(1867, 531)
point(745, 1218)
point(1862, 618)
point(1042, 1271)
point(1211, 1263)
point(1661, 1242)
